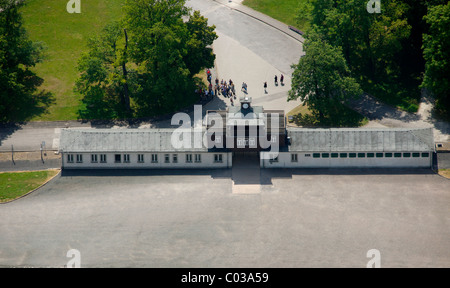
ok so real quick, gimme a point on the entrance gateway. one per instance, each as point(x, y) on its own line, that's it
point(247, 130)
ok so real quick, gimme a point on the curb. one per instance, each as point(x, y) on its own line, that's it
point(301, 39)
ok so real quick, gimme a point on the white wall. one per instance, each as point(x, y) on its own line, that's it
point(284, 161)
point(207, 161)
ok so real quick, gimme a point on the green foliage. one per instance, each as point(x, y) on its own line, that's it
point(19, 98)
point(322, 80)
point(371, 44)
point(101, 80)
point(154, 70)
point(437, 55)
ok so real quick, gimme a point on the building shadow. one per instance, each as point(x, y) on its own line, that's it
point(264, 177)
point(267, 175)
point(214, 173)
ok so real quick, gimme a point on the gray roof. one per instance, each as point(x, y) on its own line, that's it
point(354, 140)
point(126, 140)
point(302, 140)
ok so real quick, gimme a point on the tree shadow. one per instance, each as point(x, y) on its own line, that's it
point(7, 129)
point(346, 117)
point(36, 105)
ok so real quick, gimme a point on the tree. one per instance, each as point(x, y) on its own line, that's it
point(147, 61)
point(168, 52)
point(322, 80)
point(436, 46)
point(18, 84)
point(104, 79)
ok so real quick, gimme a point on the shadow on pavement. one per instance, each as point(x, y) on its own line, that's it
point(7, 130)
point(266, 175)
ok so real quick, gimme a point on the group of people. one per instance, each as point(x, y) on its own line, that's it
point(227, 88)
point(276, 82)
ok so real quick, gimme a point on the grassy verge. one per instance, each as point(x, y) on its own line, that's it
point(65, 36)
point(301, 116)
point(16, 184)
point(285, 11)
point(445, 173)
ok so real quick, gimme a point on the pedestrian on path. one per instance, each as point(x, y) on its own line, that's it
point(276, 80)
point(244, 87)
point(265, 87)
point(282, 80)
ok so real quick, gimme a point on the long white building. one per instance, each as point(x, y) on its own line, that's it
point(137, 149)
point(303, 148)
point(328, 148)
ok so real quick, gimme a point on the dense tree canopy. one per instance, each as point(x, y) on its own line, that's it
point(386, 51)
point(146, 64)
point(322, 80)
point(437, 55)
point(18, 84)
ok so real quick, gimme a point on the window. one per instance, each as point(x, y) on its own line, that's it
point(388, 155)
point(425, 155)
point(218, 139)
point(155, 158)
point(175, 158)
point(325, 155)
point(370, 155)
point(416, 155)
point(334, 155)
point(218, 158)
point(198, 158)
point(273, 158)
point(126, 158)
point(166, 158)
point(406, 155)
point(117, 158)
point(316, 155)
point(273, 139)
point(188, 158)
point(379, 155)
point(343, 155)
point(79, 158)
point(140, 158)
point(294, 158)
point(352, 155)
point(307, 155)
point(103, 158)
point(398, 155)
point(361, 155)
point(69, 158)
point(94, 158)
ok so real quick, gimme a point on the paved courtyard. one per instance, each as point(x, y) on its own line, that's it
point(299, 218)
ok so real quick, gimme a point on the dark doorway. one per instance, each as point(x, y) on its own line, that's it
point(246, 168)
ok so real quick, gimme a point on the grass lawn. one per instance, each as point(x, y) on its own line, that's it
point(445, 173)
point(16, 184)
point(65, 36)
point(285, 11)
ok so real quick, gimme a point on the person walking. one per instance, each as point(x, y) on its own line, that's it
point(276, 80)
point(282, 80)
point(265, 87)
